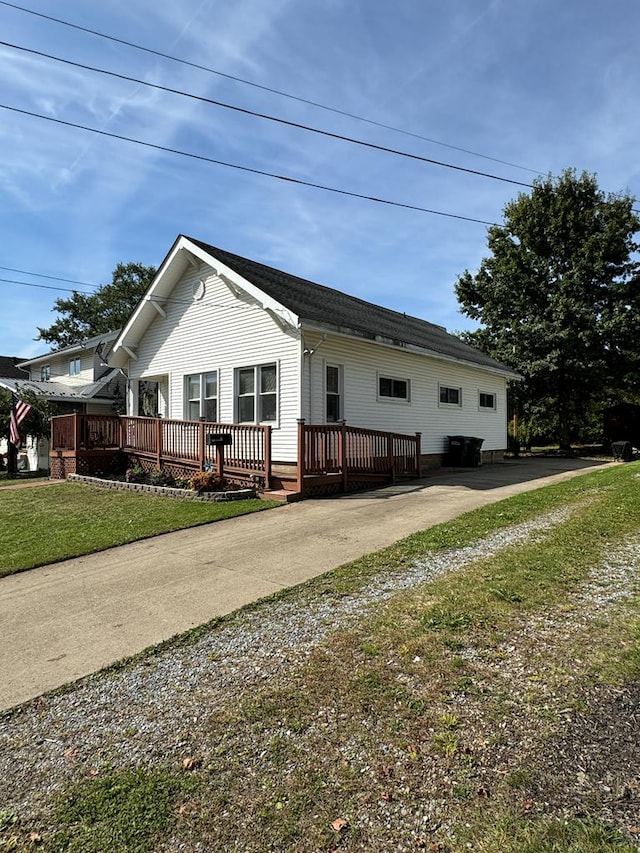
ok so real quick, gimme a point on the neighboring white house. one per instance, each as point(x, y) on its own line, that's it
point(76, 378)
point(221, 337)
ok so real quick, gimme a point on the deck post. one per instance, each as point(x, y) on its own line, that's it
point(201, 447)
point(301, 455)
point(342, 455)
point(123, 432)
point(390, 460)
point(158, 444)
point(418, 452)
point(77, 425)
point(267, 457)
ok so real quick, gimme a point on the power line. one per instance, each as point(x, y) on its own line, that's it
point(43, 286)
point(248, 169)
point(265, 88)
point(52, 277)
point(266, 116)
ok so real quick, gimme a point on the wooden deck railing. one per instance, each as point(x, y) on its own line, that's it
point(337, 449)
point(167, 442)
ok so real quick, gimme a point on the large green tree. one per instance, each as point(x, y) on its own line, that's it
point(84, 315)
point(559, 299)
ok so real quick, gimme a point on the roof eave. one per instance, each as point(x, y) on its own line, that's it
point(356, 334)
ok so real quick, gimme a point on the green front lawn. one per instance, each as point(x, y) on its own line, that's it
point(52, 523)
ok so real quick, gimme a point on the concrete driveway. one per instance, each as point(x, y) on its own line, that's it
point(66, 620)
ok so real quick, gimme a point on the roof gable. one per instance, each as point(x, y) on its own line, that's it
point(297, 301)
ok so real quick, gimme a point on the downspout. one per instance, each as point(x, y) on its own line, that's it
point(310, 352)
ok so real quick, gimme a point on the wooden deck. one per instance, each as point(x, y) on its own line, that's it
point(332, 458)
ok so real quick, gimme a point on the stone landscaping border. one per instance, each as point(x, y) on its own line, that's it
point(167, 491)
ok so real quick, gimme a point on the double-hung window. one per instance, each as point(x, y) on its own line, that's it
point(257, 394)
point(45, 373)
point(333, 396)
point(74, 367)
point(201, 396)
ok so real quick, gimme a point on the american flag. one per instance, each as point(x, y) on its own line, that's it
point(19, 412)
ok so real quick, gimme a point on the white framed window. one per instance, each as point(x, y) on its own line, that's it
point(391, 388)
point(257, 394)
point(333, 392)
point(201, 396)
point(487, 401)
point(449, 396)
point(45, 373)
point(74, 367)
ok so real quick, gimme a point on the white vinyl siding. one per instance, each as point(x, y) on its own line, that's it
point(364, 362)
point(228, 332)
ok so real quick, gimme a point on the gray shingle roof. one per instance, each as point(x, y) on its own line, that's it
point(316, 303)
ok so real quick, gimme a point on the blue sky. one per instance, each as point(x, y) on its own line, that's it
point(538, 84)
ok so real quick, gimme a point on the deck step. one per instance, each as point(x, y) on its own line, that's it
point(283, 495)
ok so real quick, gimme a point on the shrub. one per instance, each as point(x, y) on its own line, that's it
point(159, 478)
point(135, 474)
point(207, 481)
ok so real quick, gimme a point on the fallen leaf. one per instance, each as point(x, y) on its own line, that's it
point(191, 763)
point(340, 824)
point(634, 830)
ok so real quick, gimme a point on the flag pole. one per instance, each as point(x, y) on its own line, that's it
point(12, 454)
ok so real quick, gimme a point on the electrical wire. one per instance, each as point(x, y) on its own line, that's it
point(286, 178)
point(266, 116)
point(42, 275)
point(264, 88)
point(44, 286)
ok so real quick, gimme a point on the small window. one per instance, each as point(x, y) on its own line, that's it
point(257, 394)
point(201, 396)
point(487, 401)
point(333, 401)
point(45, 373)
point(74, 367)
point(395, 389)
point(450, 396)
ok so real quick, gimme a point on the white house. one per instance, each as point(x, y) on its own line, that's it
point(230, 340)
point(76, 378)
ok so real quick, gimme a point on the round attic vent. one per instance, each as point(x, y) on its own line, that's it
point(199, 290)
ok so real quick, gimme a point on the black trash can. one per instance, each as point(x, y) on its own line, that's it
point(622, 451)
point(465, 451)
point(474, 452)
point(457, 450)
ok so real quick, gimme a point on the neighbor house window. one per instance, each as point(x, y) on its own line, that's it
point(450, 396)
point(257, 393)
point(201, 396)
point(394, 389)
point(74, 367)
point(333, 397)
point(487, 401)
point(45, 373)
